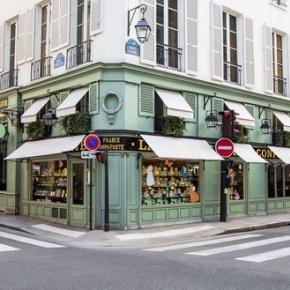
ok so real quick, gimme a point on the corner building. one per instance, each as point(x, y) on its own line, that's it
point(73, 64)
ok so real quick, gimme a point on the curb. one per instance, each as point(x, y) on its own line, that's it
point(14, 228)
point(257, 227)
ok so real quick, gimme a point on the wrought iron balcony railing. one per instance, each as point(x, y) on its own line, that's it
point(232, 73)
point(78, 54)
point(169, 57)
point(9, 79)
point(280, 86)
point(41, 68)
point(282, 3)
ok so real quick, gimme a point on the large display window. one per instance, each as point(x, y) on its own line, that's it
point(278, 181)
point(169, 182)
point(49, 181)
point(236, 181)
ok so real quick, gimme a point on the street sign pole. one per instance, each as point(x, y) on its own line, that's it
point(107, 209)
point(91, 192)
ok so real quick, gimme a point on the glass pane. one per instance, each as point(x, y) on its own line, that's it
point(13, 31)
point(160, 34)
point(225, 72)
point(78, 183)
point(234, 74)
point(279, 56)
point(233, 40)
point(280, 71)
point(224, 20)
point(160, 54)
point(3, 166)
point(279, 41)
point(224, 37)
point(172, 4)
point(160, 15)
point(161, 2)
point(233, 23)
point(279, 174)
point(287, 180)
point(236, 178)
point(271, 182)
point(172, 19)
point(234, 56)
point(172, 38)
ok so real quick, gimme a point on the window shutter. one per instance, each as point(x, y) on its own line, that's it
point(53, 102)
point(62, 96)
point(96, 16)
point(148, 49)
point(21, 44)
point(27, 105)
point(146, 100)
point(249, 53)
point(30, 28)
point(192, 37)
point(217, 41)
point(64, 22)
point(191, 100)
point(218, 106)
point(94, 98)
point(268, 59)
point(250, 109)
point(2, 47)
point(55, 23)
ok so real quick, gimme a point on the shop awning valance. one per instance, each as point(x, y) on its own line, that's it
point(284, 119)
point(68, 106)
point(243, 117)
point(175, 103)
point(46, 147)
point(30, 115)
point(248, 154)
point(181, 148)
point(282, 153)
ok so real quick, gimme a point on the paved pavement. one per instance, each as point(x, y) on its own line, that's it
point(141, 237)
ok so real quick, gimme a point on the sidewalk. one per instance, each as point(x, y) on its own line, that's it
point(136, 238)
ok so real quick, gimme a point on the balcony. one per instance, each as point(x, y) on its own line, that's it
point(280, 86)
point(232, 73)
point(169, 57)
point(78, 54)
point(41, 68)
point(9, 79)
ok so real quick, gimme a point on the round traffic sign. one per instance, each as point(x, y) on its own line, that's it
point(224, 147)
point(92, 142)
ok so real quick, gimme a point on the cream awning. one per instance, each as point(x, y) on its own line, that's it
point(30, 115)
point(175, 103)
point(181, 148)
point(282, 153)
point(46, 147)
point(248, 154)
point(68, 106)
point(243, 117)
point(284, 119)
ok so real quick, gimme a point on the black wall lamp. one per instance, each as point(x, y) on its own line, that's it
point(50, 118)
point(211, 119)
point(265, 127)
point(143, 29)
point(13, 115)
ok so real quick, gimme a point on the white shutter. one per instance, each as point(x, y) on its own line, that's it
point(64, 22)
point(249, 53)
point(30, 26)
point(192, 37)
point(2, 47)
point(55, 23)
point(268, 59)
point(96, 16)
point(148, 49)
point(21, 42)
point(217, 41)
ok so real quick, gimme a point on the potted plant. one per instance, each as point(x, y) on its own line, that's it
point(35, 130)
point(170, 125)
point(240, 134)
point(76, 124)
point(278, 138)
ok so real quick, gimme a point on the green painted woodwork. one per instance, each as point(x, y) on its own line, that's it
point(191, 99)
point(160, 215)
point(257, 181)
point(94, 98)
point(146, 100)
point(211, 177)
point(237, 208)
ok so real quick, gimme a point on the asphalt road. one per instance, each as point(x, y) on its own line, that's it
point(212, 264)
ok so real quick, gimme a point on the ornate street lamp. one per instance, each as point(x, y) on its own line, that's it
point(49, 118)
point(211, 120)
point(265, 127)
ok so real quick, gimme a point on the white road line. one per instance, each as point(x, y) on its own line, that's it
point(170, 233)
point(202, 243)
point(29, 241)
point(267, 256)
point(63, 232)
point(242, 246)
point(4, 248)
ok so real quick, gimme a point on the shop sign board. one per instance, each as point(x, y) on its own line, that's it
point(224, 147)
point(92, 142)
point(88, 154)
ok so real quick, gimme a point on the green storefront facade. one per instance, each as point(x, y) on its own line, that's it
point(121, 107)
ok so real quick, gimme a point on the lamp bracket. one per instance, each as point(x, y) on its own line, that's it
point(206, 100)
point(262, 109)
point(132, 12)
point(12, 114)
point(53, 94)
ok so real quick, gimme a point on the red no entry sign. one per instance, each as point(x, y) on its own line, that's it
point(224, 147)
point(92, 142)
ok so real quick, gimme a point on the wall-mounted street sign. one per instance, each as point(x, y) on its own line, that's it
point(132, 47)
point(59, 60)
point(224, 147)
point(92, 142)
point(88, 154)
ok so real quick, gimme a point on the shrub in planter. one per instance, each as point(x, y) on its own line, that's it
point(77, 123)
point(35, 130)
point(240, 134)
point(173, 126)
point(278, 138)
point(286, 139)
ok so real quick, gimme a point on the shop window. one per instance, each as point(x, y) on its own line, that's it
point(169, 182)
point(49, 181)
point(78, 183)
point(236, 181)
point(271, 181)
point(279, 180)
point(287, 180)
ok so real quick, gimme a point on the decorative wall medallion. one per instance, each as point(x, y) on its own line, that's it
point(112, 104)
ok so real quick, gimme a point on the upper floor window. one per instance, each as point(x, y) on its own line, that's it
point(12, 50)
point(279, 82)
point(232, 70)
point(44, 25)
point(83, 20)
point(167, 52)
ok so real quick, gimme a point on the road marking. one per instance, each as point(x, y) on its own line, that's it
point(63, 232)
point(202, 243)
point(170, 233)
point(29, 241)
point(242, 246)
point(4, 248)
point(267, 256)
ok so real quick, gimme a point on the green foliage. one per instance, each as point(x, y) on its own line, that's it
point(76, 124)
point(281, 139)
point(35, 130)
point(173, 126)
point(240, 134)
